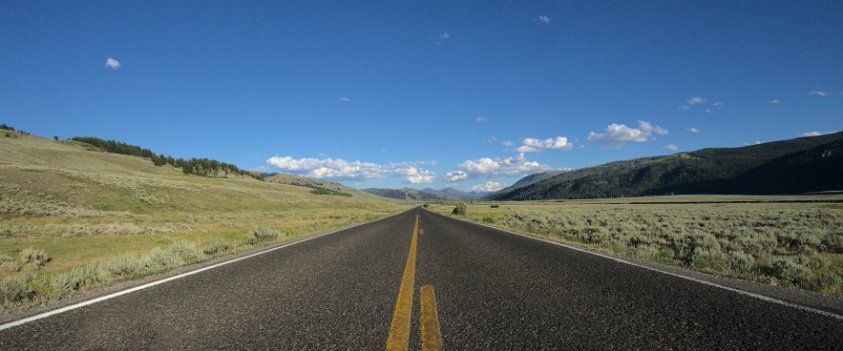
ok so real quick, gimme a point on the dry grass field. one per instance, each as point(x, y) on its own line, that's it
point(778, 240)
point(73, 219)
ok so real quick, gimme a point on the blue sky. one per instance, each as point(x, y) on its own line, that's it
point(422, 94)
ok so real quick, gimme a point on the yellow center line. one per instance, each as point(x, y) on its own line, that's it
point(431, 337)
point(399, 329)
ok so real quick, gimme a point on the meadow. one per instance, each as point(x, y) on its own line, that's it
point(792, 241)
point(72, 219)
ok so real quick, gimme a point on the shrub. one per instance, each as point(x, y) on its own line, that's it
point(186, 252)
point(123, 266)
point(217, 247)
point(741, 262)
point(789, 271)
point(488, 219)
point(261, 234)
point(460, 209)
point(159, 260)
point(34, 259)
point(8, 264)
point(16, 289)
point(495, 206)
point(76, 279)
point(833, 242)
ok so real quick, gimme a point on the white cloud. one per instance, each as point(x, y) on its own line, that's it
point(696, 100)
point(543, 19)
point(526, 148)
point(486, 166)
point(775, 101)
point(112, 63)
point(693, 130)
point(818, 93)
point(718, 104)
point(340, 169)
point(455, 176)
point(480, 119)
point(708, 110)
point(507, 143)
point(444, 36)
point(418, 176)
point(816, 133)
point(617, 134)
point(559, 143)
point(343, 99)
point(487, 187)
point(671, 147)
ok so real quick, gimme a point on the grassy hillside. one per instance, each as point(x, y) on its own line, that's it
point(811, 164)
point(94, 209)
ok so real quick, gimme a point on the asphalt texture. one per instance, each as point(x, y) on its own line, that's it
point(494, 291)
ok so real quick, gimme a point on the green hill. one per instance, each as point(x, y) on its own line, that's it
point(808, 164)
point(103, 218)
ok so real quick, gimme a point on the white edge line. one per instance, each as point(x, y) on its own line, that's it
point(182, 275)
point(700, 281)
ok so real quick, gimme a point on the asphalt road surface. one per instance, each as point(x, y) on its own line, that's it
point(463, 287)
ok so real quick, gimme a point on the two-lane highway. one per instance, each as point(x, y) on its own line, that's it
point(469, 287)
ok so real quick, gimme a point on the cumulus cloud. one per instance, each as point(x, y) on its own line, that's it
point(718, 104)
point(671, 147)
point(507, 143)
point(558, 143)
point(112, 63)
point(526, 148)
point(490, 139)
point(455, 176)
point(617, 134)
point(343, 99)
point(775, 101)
point(418, 176)
point(487, 166)
point(480, 119)
point(693, 130)
point(543, 19)
point(487, 187)
point(339, 169)
point(818, 93)
point(444, 35)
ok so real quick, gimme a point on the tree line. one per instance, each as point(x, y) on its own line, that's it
point(196, 166)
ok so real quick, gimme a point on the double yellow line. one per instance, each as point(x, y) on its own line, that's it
point(399, 329)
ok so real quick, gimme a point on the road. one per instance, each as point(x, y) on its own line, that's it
point(421, 279)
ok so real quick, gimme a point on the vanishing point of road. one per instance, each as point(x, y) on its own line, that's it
point(423, 281)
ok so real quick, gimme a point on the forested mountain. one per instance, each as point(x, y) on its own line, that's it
point(807, 164)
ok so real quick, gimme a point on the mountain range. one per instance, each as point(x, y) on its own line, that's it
point(427, 194)
point(794, 166)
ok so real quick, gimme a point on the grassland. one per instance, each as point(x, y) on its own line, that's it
point(778, 240)
point(72, 219)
